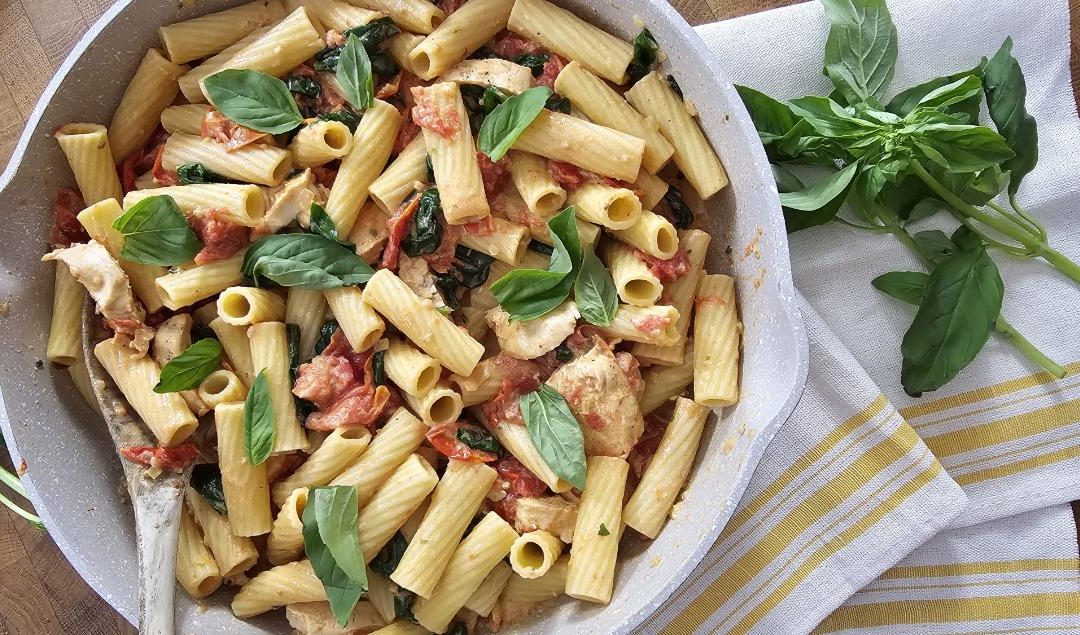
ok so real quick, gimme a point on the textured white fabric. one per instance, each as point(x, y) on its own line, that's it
point(1017, 447)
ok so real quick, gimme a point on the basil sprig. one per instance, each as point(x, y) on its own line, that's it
point(556, 433)
point(332, 545)
point(354, 74)
point(156, 233)
point(187, 370)
point(505, 124)
point(594, 291)
point(307, 261)
point(253, 99)
point(259, 430)
point(206, 480)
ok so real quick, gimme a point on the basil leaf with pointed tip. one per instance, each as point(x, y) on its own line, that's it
point(860, 52)
point(307, 261)
point(906, 286)
point(253, 99)
point(509, 119)
point(354, 74)
point(556, 433)
point(594, 291)
point(527, 294)
point(206, 480)
point(187, 370)
point(1006, 94)
point(156, 233)
point(332, 545)
point(259, 429)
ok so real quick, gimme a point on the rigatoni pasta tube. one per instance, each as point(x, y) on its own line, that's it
point(166, 414)
point(244, 306)
point(611, 207)
point(196, 569)
point(413, 372)
point(439, 405)
point(98, 221)
point(663, 383)
point(534, 553)
point(474, 558)
point(336, 14)
point(372, 143)
point(306, 309)
point(393, 503)
point(185, 118)
point(233, 554)
point(653, 234)
point(453, 154)
point(241, 204)
point(481, 385)
point(666, 473)
point(255, 163)
point(320, 143)
point(418, 16)
point(716, 333)
point(552, 584)
point(338, 450)
point(432, 331)
point(679, 294)
point(247, 494)
point(502, 74)
point(587, 145)
point(650, 188)
point(284, 584)
point(237, 348)
point(591, 571)
point(86, 146)
point(398, 181)
point(507, 241)
point(286, 540)
point(466, 30)
point(533, 181)
point(395, 441)
point(199, 37)
point(270, 353)
point(634, 281)
point(562, 32)
point(191, 82)
point(188, 286)
point(486, 596)
point(601, 104)
point(221, 386)
point(361, 324)
point(401, 627)
point(281, 48)
point(453, 504)
point(646, 324)
point(150, 91)
point(653, 97)
point(65, 327)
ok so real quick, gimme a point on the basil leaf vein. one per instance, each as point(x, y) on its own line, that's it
point(556, 434)
point(156, 233)
point(187, 370)
point(253, 99)
point(354, 74)
point(307, 261)
point(594, 291)
point(332, 545)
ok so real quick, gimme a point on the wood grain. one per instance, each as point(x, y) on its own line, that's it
point(40, 594)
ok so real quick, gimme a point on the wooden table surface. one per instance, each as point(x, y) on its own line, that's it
point(39, 591)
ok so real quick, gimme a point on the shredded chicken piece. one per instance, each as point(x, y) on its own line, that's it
point(315, 618)
point(533, 338)
point(291, 201)
point(416, 273)
point(553, 514)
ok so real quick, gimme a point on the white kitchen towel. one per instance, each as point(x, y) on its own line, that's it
point(844, 491)
point(1018, 574)
point(1009, 435)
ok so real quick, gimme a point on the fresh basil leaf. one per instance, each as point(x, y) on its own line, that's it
point(772, 118)
point(556, 434)
point(603, 531)
point(527, 294)
point(960, 305)
point(906, 286)
point(187, 370)
point(961, 148)
point(156, 233)
point(292, 336)
point(206, 480)
point(345, 116)
point(327, 59)
point(557, 103)
point(449, 287)
point(479, 440)
point(786, 181)
point(532, 61)
point(509, 119)
point(374, 33)
point(831, 119)
point(934, 245)
point(674, 84)
point(425, 232)
point(326, 333)
point(821, 193)
point(682, 217)
point(860, 52)
point(594, 291)
point(253, 99)
point(907, 101)
point(332, 545)
point(321, 223)
point(429, 170)
point(306, 261)
point(961, 90)
point(1006, 94)
point(196, 173)
point(646, 55)
point(471, 267)
point(378, 368)
point(354, 74)
point(924, 209)
point(259, 421)
point(303, 86)
point(390, 555)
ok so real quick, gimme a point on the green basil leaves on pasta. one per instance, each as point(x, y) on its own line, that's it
point(187, 370)
point(646, 55)
point(389, 557)
point(332, 545)
point(556, 434)
point(527, 294)
point(354, 74)
point(594, 291)
point(307, 261)
point(479, 440)
point(509, 119)
point(206, 480)
point(321, 223)
point(197, 174)
point(259, 421)
point(425, 232)
point(156, 233)
point(253, 99)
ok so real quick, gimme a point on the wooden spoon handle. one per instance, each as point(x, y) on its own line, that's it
point(157, 526)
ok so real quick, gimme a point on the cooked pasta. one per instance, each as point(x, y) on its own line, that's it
point(247, 494)
point(716, 331)
point(209, 34)
point(466, 30)
point(150, 91)
point(86, 147)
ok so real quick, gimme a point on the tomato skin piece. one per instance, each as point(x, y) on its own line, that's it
point(175, 459)
point(443, 437)
point(520, 483)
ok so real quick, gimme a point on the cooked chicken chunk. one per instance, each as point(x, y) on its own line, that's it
point(602, 399)
point(291, 201)
point(94, 268)
point(315, 618)
point(531, 339)
point(173, 338)
point(416, 273)
point(553, 514)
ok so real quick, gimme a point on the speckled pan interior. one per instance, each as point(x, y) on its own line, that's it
point(74, 476)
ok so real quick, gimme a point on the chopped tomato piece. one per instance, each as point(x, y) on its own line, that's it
point(667, 270)
point(324, 176)
point(66, 226)
point(510, 45)
point(652, 325)
point(328, 100)
point(444, 122)
point(175, 459)
point(647, 445)
point(444, 438)
point(552, 67)
point(449, 6)
point(142, 160)
point(569, 176)
point(518, 482)
point(221, 238)
point(397, 226)
point(483, 227)
point(390, 88)
point(442, 258)
point(220, 128)
point(341, 384)
point(518, 377)
point(494, 173)
point(161, 175)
